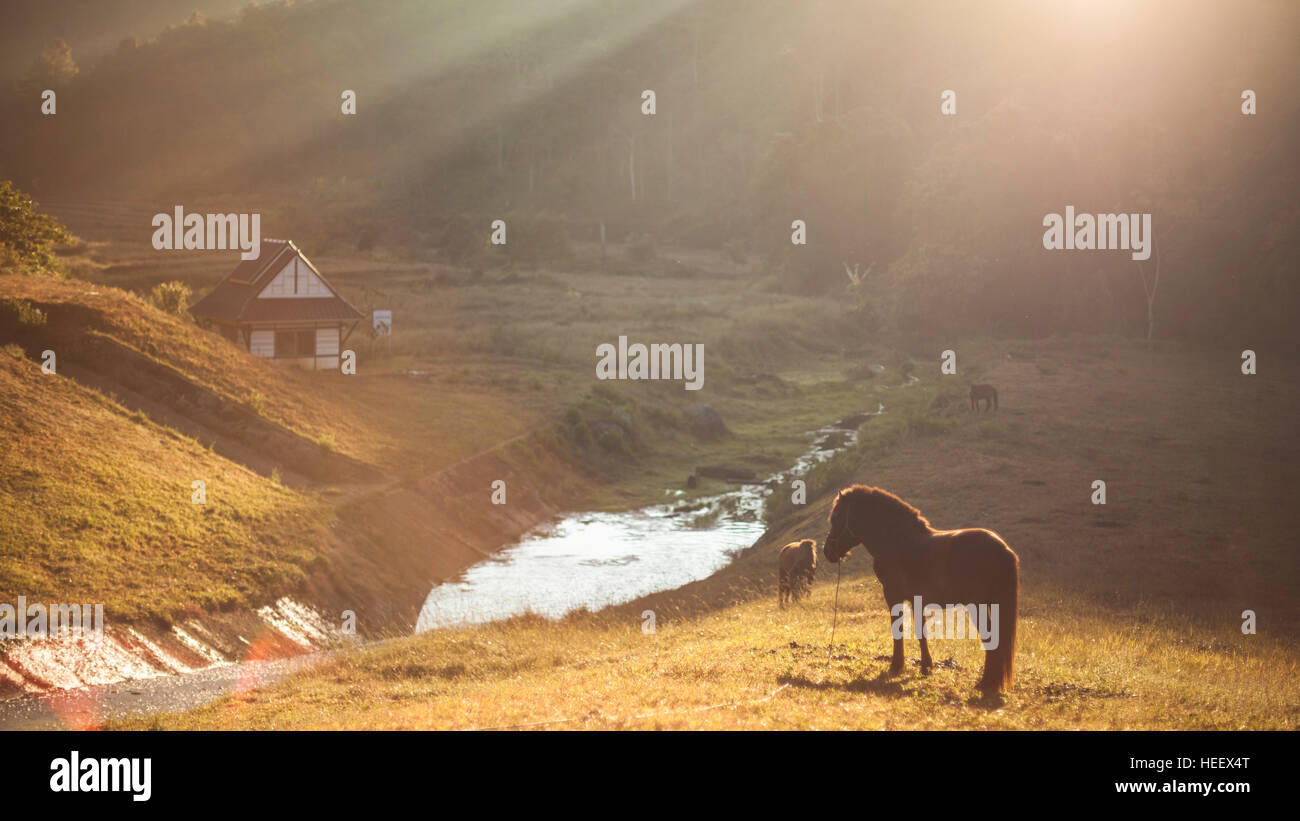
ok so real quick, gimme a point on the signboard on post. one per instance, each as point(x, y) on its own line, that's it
point(382, 325)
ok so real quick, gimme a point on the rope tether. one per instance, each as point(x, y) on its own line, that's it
point(835, 613)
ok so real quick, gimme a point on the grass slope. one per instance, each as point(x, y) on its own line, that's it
point(96, 507)
point(379, 419)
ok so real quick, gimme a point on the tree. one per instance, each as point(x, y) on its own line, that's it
point(1149, 288)
point(28, 237)
point(54, 68)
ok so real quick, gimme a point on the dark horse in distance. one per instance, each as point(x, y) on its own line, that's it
point(983, 393)
point(940, 566)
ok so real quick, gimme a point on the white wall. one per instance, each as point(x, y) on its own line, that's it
point(262, 343)
point(295, 272)
point(327, 341)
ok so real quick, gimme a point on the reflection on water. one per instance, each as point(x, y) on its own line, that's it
point(597, 559)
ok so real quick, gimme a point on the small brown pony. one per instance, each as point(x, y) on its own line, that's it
point(798, 562)
point(941, 566)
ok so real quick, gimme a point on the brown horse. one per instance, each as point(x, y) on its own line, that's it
point(798, 562)
point(942, 567)
point(983, 393)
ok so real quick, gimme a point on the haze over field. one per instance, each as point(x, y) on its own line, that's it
point(414, 400)
point(827, 112)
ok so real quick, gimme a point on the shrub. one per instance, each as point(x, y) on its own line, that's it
point(612, 438)
point(256, 402)
point(25, 312)
point(171, 297)
point(576, 428)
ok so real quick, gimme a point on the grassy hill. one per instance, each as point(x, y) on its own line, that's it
point(98, 458)
point(97, 507)
point(1131, 612)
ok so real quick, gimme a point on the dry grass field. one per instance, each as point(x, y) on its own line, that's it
point(1131, 612)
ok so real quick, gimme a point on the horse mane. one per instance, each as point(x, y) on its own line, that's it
point(894, 514)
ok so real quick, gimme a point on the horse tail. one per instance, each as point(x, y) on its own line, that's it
point(1000, 662)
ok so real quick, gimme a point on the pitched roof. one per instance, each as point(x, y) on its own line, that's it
point(235, 297)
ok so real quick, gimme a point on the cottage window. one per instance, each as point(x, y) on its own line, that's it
point(281, 286)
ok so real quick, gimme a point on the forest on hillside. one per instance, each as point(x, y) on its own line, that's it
point(766, 112)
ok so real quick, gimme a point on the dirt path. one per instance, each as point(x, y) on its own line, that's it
point(90, 707)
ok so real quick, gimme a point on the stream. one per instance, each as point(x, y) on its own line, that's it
point(594, 560)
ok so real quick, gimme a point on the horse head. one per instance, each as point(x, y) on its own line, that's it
point(874, 518)
point(841, 539)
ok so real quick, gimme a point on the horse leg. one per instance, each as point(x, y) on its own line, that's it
point(922, 623)
point(894, 587)
point(896, 663)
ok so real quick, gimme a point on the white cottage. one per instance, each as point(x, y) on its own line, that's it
point(279, 306)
